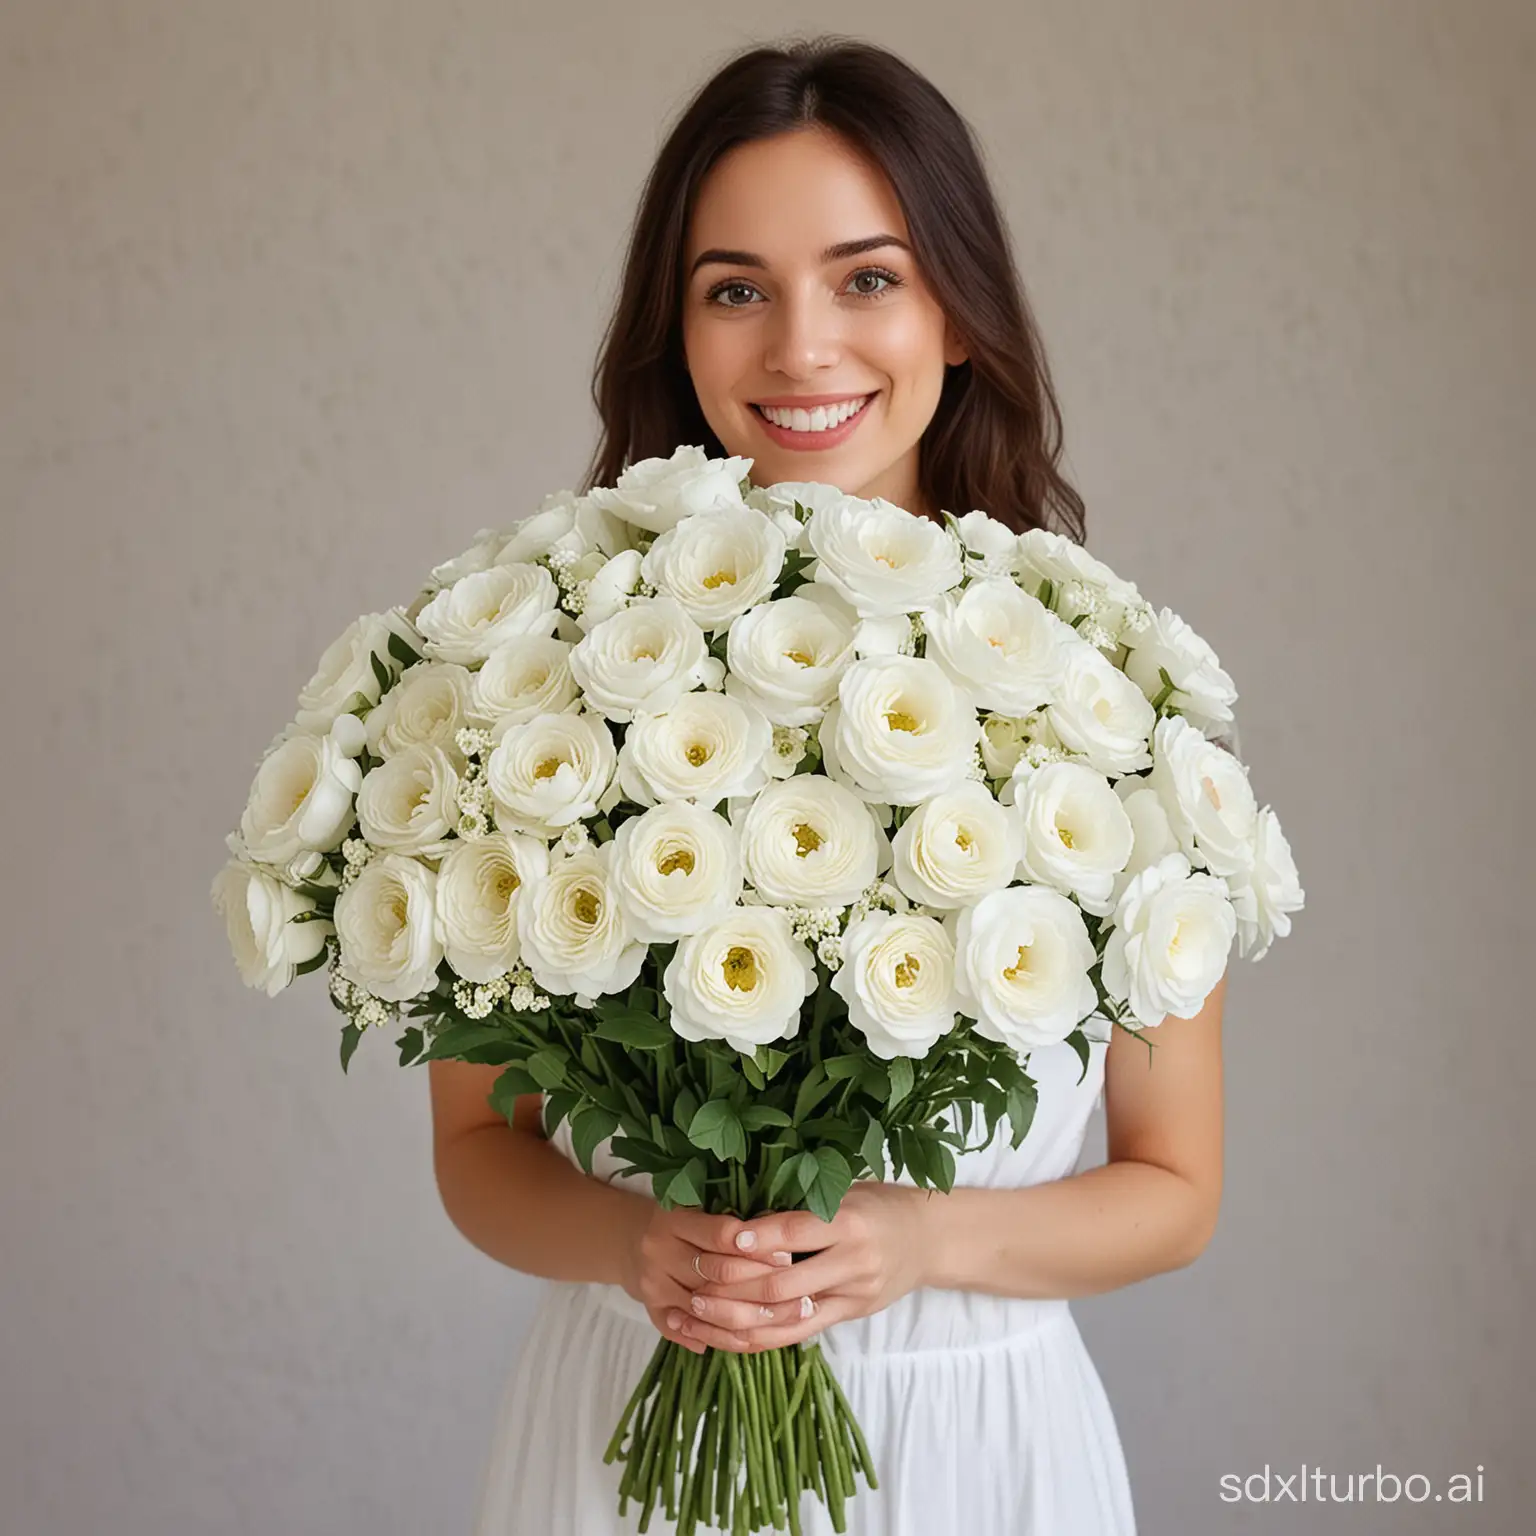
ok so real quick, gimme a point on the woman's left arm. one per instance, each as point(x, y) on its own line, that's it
point(1151, 1207)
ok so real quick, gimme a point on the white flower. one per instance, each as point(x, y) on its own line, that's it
point(479, 893)
point(1149, 822)
point(656, 493)
point(550, 771)
point(525, 677)
point(787, 657)
point(879, 558)
point(1022, 963)
point(741, 980)
point(900, 730)
point(778, 501)
point(302, 798)
point(676, 869)
point(257, 909)
point(991, 547)
point(409, 803)
point(1265, 893)
point(789, 746)
point(705, 748)
point(480, 556)
point(1076, 577)
point(955, 848)
point(427, 706)
point(467, 621)
point(647, 656)
point(346, 668)
point(1101, 714)
point(1077, 835)
point(610, 589)
point(898, 979)
point(717, 564)
point(386, 928)
point(1002, 646)
point(1206, 792)
point(1202, 691)
point(574, 933)
point(1003, 740)
point(565, 525)
point(1173, 932)
point(808, 842)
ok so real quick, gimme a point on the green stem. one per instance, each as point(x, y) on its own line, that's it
point(866, 1461)
point(786, 1436)
point(642, 1390)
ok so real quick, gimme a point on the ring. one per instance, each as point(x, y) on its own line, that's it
point(696, 1267)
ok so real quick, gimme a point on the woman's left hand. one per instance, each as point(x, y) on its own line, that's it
point(870, 1254)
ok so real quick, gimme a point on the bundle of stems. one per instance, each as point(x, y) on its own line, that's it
point(731, 1441)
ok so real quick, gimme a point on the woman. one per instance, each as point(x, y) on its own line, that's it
point(818, 235)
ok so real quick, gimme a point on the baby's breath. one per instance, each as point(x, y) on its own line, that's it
point(810, 924)
point(830, 951)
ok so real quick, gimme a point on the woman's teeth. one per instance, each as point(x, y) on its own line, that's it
point(818, 420)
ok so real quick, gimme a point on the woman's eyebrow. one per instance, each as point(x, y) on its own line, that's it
point(840, 252)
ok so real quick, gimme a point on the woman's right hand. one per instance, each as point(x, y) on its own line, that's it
point(660, 1275)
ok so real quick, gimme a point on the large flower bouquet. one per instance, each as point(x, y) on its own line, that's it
point(764, 832)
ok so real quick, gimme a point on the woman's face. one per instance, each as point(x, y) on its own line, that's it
point(769, 317)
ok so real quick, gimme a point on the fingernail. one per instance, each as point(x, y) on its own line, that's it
point(765, 1312)
point(807, 1306)
point(783, 1259)
point(698, 1304)
point(747, 1240)
point(674, 1319)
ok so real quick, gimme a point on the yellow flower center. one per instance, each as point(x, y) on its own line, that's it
point(906, 971)
point(800, 658)
point(720, 579)
point(900, 720)
point(962, 839)
point(697, 754)
point(740, 968)
point(587, 907)
point(807, 840)
point(547, 769)
point(1019, 966)
point(679, 858)
point(1065, 834)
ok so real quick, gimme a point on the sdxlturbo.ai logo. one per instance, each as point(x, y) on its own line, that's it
point(1381, 1487)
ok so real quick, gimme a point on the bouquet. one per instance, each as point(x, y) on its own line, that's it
point(764, 831)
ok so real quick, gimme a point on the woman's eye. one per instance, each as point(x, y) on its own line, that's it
point(716, 295)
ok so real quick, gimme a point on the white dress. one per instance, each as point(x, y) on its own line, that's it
point(984, 1414)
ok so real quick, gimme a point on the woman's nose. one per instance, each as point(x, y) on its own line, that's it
point(803, 337)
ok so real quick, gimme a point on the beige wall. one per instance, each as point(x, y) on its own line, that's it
point(295, 297)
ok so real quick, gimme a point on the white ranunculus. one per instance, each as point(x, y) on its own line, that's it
point(302, 797)
point(575, 936)
point(564, 525)
point(1076, 577)
point(1202, 691)
point(427, 706)
point(1002, 646)
point(409, 803)
point(1206, 792)
point(705, 748)
point(1022, 963)
point(480, 556)
point(346, 668)
point(808, 842)
point(1077, 835)
point(1100, 713)
point(900, 730)
point(1003, 740)
point(1173, 932)
point(1149, 822)
point(788, 656)
point(656, 493)
point(1268, 891)
point(778, 501)
point(258, 909)
point(898, 979)
point(741, 980)
point(480, 885)
point(717, 564)
point(467, 621)
point(549, 772)
point(955, 848)
point(646, 657)
point(991, 547)
point(523, 678)
point(386, 928)
point(676, 869)
point(880, 558)
point(610, 588)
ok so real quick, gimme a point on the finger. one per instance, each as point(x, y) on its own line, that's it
point(826, 1310)
point(828, 1271)
point(741, 1316)
point(694, 1329)
point(786, 1232)
point(716, 1268)
point(659, 1315)
point(718, 1234)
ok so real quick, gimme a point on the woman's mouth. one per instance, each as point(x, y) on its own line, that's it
point(817, 430)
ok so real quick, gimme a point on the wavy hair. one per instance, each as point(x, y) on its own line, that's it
point(995, 439)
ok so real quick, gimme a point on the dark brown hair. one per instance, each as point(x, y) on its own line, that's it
point(995, 438)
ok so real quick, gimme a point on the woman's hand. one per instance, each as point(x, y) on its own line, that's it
point(870, 1254)
point(660, 1275)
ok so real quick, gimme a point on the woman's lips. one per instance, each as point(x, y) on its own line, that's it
point(814, 442)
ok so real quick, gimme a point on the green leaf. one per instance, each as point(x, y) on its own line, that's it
point(410, 1046)
point(833, 1179)
point(943, 1162)
point(1022, 1099)
point(589, 1127)
point(350, 1036)
point(876, 1079)
point(717, 1128)
point(643, 1155)
point(782, 1176)
point(643, 1031)
point(872, 1148)
point(684, 1107)
point(549, 1066)
point(1079, 1043)
point(400, 649)
point(755, 1116)
point(807, 1170)
point(312, 964)
point(513, 1084)
point(814, 1087)
point(902, 1078)
point(557, 1106)
point(753, 1073)
point(458, 1038)
point(770, 1060)
point(840, 1067)
point(381, 672)
point(686, 1186)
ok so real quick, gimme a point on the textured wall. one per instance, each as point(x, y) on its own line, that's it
point(294, 297)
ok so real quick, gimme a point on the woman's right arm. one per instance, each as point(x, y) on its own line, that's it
point(528, 1206)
